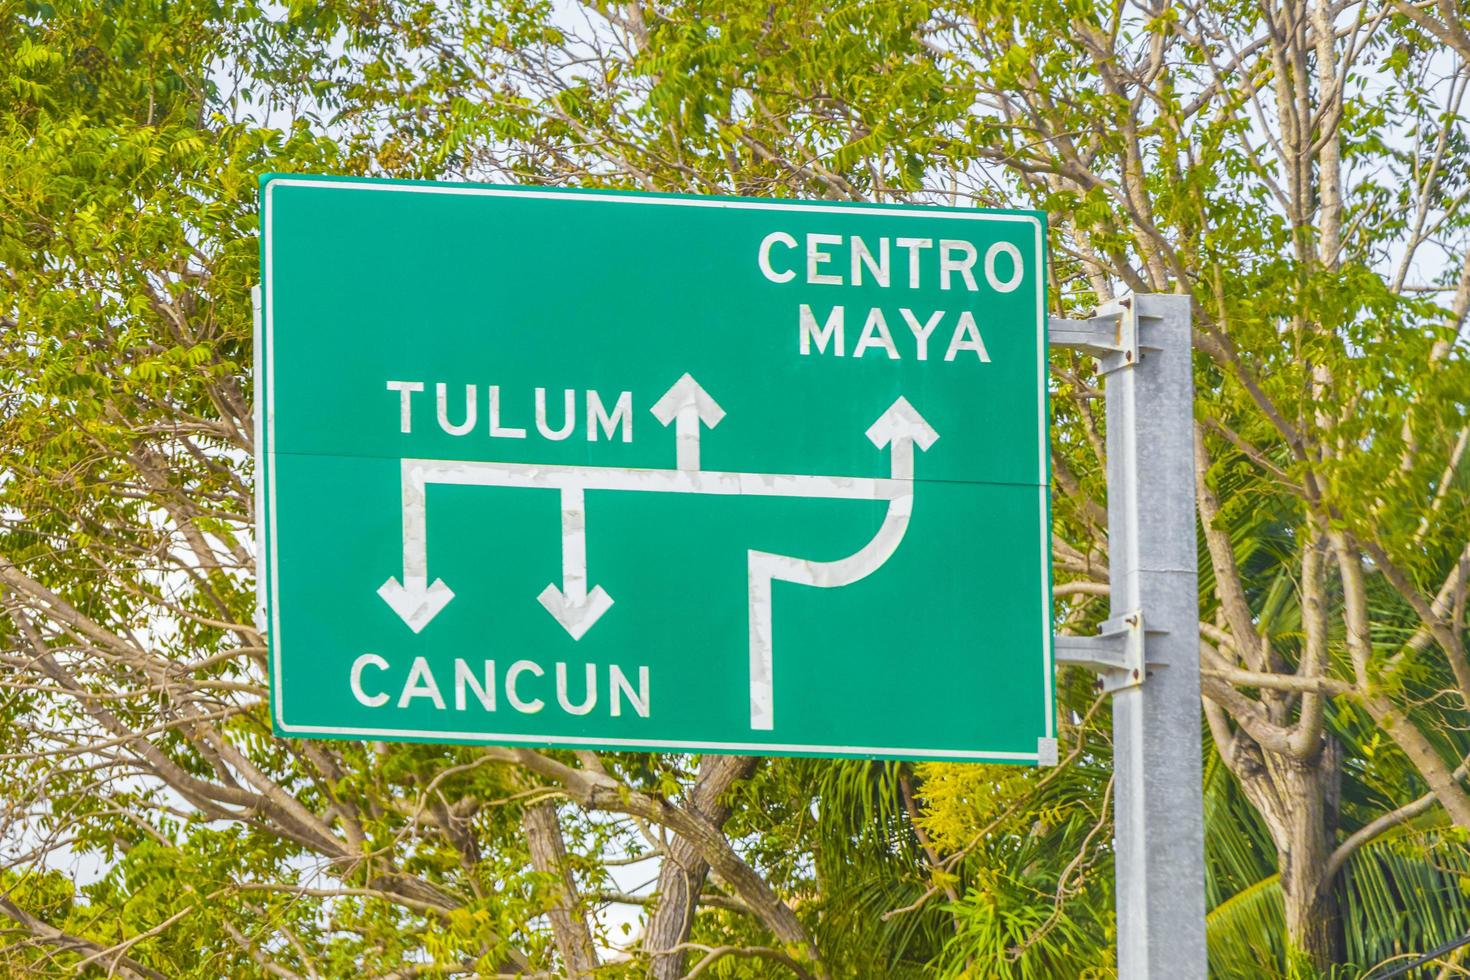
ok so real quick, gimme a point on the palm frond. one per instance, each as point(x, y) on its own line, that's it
point(1247, 933)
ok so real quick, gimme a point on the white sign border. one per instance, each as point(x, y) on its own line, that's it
point(277, 704)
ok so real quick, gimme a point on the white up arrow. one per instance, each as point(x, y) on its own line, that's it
point(688, 406)
point(902, 425)
point(572, 605)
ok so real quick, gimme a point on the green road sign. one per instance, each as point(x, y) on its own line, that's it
point(636, 471)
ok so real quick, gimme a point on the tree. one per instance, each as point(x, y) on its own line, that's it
point(1291, 167)
point(1297, 168)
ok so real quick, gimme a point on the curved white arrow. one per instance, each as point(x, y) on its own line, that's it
point(414, 600)
point(900, 427)
point(688, 406)
point(572, 605)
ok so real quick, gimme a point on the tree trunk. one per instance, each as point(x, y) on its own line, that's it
point(568, 924)
point(1298, 799)
point(681, 876)
point(1312, 919)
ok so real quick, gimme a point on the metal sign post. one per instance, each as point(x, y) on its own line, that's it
point(1148, 652)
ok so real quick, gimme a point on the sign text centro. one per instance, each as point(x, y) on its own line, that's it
point(633, 471)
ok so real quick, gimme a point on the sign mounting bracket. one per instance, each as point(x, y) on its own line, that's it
point(1117, 334)
point(1116, 653)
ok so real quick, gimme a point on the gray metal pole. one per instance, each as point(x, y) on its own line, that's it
point(1148, 651)
point(1159, 812)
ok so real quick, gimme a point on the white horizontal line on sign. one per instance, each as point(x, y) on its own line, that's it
point(652, 743)
point(658, 199)
point(720, 483)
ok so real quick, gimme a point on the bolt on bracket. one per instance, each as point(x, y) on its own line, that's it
point(1116, 654)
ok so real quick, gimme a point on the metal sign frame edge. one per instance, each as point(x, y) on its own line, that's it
point(268, 595)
